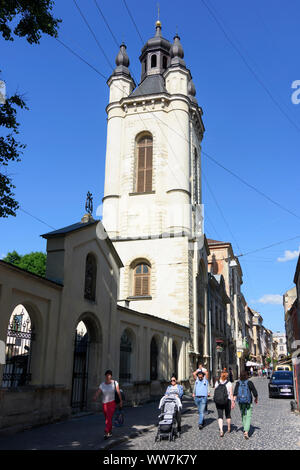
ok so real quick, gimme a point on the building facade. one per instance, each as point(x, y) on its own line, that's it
point(153, 161)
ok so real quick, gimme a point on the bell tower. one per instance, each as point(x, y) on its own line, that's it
point(152, 179)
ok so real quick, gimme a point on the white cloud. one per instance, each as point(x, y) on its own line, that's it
point(271, 299)
point(2, 256)
point(289, 255)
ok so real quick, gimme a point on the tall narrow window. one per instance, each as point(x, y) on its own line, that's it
point(141, 280)
point(164, 62)
point(90, 277)
point(144, 164)
point(153, 61)
point(153, 360)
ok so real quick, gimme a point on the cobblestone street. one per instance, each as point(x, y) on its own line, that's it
point(273, 427)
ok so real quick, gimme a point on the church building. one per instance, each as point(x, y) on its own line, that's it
point(131, 292)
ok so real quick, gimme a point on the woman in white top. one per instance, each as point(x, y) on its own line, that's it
point(108, 389)
point(228, 406)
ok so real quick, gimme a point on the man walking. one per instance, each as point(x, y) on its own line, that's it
point(200, 394)
point(243, 392)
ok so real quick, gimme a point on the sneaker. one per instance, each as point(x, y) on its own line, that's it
point(108, 435)
point(200, 426)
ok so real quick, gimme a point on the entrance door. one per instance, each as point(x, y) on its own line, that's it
point(80, 369)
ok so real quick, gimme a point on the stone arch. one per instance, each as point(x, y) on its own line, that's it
point(175, 358)
point(37, 342)
point(87, 360)
point(128, 356)
point(159, 343)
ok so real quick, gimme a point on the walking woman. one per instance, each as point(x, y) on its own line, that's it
point(108, 388)
point(244, 389)
point(223, 399)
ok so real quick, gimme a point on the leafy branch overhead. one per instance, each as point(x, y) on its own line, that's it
point(30, 19)
point(34, 18)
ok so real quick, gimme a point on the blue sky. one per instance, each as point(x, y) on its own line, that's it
point(65, 128)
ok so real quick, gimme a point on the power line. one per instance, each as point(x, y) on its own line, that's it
point(132, 19)
point(252, 71)
point(106, 22)
point(81, 58)
point(251, 186)
point(93, 34)
point(36, 218)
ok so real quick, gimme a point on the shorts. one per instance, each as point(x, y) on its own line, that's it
point(226, 408)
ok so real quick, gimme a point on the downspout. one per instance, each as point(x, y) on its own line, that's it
point(195, 306)
point(209, 326)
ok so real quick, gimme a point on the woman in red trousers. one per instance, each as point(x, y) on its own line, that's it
point(108, 389)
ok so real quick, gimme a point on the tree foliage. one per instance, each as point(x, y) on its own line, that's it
point(34, 262)
point(10, 150)
point(33, 18)
point(30, 18)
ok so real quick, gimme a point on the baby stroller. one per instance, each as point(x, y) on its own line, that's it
point(167, 424)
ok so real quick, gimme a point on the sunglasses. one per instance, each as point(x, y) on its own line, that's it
point(173, 380)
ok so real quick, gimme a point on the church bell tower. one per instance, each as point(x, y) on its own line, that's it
point(152, 178)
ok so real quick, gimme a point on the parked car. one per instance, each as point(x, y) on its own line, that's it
point(281, 384)
point(283, 367)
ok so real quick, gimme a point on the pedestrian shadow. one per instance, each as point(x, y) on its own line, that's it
point(185, 428)
point(208, 421)
point(251, 430)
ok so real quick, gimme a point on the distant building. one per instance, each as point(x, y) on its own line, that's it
point(280, 339)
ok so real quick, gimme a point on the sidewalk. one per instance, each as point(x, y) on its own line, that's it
point(86, 432)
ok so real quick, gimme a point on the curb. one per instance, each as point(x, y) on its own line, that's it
point(128, 437)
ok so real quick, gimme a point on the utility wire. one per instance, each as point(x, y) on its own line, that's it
point(107, 24)
point(93, 34)
point(36, 218)
point(81, 58)
point(252, 71)
point(251, 186)
point(132, 19)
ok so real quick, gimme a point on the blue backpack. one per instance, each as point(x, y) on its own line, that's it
point(244, 394)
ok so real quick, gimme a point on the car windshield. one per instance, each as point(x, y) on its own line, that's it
point(282, 375)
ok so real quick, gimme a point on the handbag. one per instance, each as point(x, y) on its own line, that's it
point(117, 398)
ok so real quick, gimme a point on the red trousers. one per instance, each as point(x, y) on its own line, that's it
point(108, 410)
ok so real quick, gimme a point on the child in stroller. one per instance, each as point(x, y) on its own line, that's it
point(169, 424)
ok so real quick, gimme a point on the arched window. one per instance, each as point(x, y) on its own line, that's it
point(153, 360)
point(144, 164)
point(164, 62)
point(90, 277)
point(174, 359)
point(17, 370)
point(153, 61)
point(125, 357)
point(141, 280)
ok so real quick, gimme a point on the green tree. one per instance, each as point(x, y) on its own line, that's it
point(30, 19)
point(34, 262)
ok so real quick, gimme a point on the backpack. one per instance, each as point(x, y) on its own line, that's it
point(244, 394)
point(221, 394)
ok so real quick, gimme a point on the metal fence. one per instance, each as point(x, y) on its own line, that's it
point(18, 354)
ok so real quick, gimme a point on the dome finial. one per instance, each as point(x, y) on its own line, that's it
point(158, 23)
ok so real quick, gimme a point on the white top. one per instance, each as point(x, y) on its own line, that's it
point(108, 391)
point(228, 386)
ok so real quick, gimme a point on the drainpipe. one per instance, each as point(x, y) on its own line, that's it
point(210, 342)
point(195, 299)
